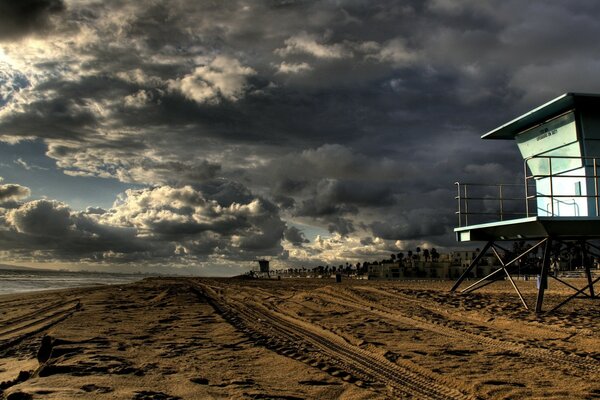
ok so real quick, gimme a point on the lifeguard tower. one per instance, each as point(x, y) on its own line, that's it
point(555, 208)
point(263, 269)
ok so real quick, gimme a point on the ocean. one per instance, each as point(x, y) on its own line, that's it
point(16, 281)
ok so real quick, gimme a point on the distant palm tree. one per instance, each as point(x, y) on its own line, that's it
point(434, 254)
point(401, 258)
point(426, 254)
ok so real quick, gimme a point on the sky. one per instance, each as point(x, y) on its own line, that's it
point(198, 136)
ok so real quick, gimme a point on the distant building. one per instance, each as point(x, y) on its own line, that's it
point(413, 269)
point(449, 266)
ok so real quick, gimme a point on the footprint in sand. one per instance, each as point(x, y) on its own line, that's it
point(92, 388)
point(199, 381)
point(149, 395)
point(319, 383)
point(19, 396)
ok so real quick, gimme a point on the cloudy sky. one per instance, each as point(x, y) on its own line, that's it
point(201, 135)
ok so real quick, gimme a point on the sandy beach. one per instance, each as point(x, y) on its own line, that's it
point(296, 339)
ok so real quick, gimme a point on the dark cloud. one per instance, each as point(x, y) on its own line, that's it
point(295, 236)
point(284, 202)
point(95, 210)
point(332, 201)
point(415, 224)
point(343, 226)
point(226, 192)
point(18, 18)
point(13, 192)
point(316, 208)
point(10, 204)
point(41, 218)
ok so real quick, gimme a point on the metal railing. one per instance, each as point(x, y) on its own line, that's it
point(485, 202)
point(550, 209)
point(487, 195)
point(589, 165)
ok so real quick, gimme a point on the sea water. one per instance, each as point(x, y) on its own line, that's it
point(15, 281)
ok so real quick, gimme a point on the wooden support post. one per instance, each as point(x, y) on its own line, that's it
point(543, 276)
point(473, 265)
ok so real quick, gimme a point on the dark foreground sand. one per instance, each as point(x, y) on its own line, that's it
point(296, 339)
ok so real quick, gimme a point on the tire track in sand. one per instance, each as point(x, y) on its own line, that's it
point(356, 301)
point(35, 322)
point(275, 330)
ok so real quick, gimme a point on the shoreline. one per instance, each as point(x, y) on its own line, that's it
point(28, 281)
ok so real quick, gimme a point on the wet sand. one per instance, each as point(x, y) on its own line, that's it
point(297, 339)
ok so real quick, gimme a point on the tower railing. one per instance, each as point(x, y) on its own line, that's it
point(484, 201)
point(559, 169)
point(542, 192)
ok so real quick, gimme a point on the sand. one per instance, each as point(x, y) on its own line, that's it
point(296, 339)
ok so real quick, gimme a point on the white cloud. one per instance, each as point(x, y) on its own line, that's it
point(292, 68)
point(153, 224)
point(304, 43)
point(186, 216)
point(338, 249)
point(25, 165)
point(223, 77)
point(138, 76)
point(138, 99)
point(394, 51)
point(128, 164)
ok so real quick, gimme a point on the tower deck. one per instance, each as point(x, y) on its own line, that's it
point(532, 228)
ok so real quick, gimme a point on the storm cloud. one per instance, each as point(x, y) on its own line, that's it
point(13, 192)
point(18, 18)
point(242, 122)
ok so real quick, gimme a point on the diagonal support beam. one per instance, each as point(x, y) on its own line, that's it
point(532, 248)
point(513, 283)
point(508, 264)
point(487, 277)
point(471, 266)
point(594, 246)
point(575, 295)
point(479, 284)
point(568, 284)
